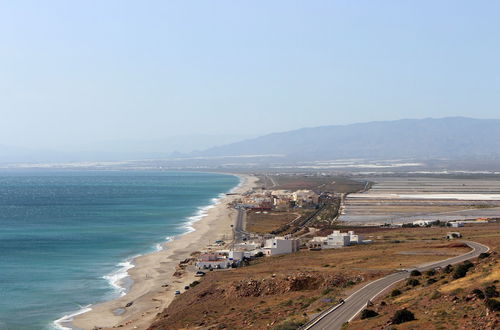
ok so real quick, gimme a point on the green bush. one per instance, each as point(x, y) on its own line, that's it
point(368, 313)
point(431, 272)
point(415, 273)
point(478, 293)
point(413, 282)
point(395, 292)
point(194, 283)
point(402, 316)
point(448, 269)
point(461, 270)
point(491, 291)
point(468, 264)
point(484, 255)
point(431, 280)
point(493, 305)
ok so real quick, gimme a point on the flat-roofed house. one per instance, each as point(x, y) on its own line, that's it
point(281, 245)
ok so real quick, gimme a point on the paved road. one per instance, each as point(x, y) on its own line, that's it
point(239, 233)
point(355, 303)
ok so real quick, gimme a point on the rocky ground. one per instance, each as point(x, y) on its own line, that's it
point(283, 292)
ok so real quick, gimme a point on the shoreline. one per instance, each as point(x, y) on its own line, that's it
point(152, 271)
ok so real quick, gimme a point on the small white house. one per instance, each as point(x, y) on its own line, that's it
point(453, 235)
point(338, 239)
point(335, 240)
point(236, 255)
point(423, 223)
point(355, 238)
point(247, 246)
point(456, 224)
point(281, 245)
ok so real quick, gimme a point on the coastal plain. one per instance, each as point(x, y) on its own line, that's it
point(284, 291)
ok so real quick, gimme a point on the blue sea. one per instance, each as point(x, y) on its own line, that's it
point(66, 238)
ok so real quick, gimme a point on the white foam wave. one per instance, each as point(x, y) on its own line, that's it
point(201, 213)
point(203, 210)
point(63, 322)
point(117, 278)
point(242, 181)
point(160, 246)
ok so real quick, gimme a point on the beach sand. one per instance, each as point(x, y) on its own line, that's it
point(153, 270)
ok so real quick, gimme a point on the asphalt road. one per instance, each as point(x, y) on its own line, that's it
point(336, 316)
point(239, 233)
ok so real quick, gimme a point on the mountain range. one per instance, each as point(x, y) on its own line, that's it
point(452, 137)
point(419, 139)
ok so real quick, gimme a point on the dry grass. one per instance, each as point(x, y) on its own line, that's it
point(481, 278)
point(447, 303)
point(211, 304)
point(266, 222)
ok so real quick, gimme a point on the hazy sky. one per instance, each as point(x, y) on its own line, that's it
point(73, 72)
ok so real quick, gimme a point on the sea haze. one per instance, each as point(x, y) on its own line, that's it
point(67, 237)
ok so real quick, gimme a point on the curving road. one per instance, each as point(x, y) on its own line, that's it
point(336, 316)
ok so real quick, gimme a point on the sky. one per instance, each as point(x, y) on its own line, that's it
point(82, 72)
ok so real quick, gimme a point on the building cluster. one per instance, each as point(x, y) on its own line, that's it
point(272, 246)
point(336, 239)
point(279, 199)
point(232, 258)
point(454, 224)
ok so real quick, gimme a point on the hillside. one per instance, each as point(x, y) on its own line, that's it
point(454, 137)
point(445, 298)
point(284, 291)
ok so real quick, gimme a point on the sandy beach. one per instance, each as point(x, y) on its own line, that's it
point(153, 271)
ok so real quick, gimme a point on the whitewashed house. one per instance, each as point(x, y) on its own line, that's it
point(236, 255)
point(281, 245)
point(335, 240)
point(338, 239)
point(424, 223)
point(355, 238)
point(214, 261)
point(453, 235)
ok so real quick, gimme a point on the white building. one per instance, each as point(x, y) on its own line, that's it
point(355, 238)
point(456, 224)
point(236, 255)
point(303, 197)
point(423, 223)
point(453, 235)
point(281, 245)
point(336, 240)
point(214, 261)
point(247, 246)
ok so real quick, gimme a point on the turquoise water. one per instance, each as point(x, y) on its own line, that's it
point(65, 237)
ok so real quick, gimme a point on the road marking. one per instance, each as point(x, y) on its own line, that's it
point(375, 296)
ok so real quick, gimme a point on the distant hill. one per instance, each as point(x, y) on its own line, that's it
point(453, 137)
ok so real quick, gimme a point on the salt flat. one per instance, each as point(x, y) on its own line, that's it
point(403, 200)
